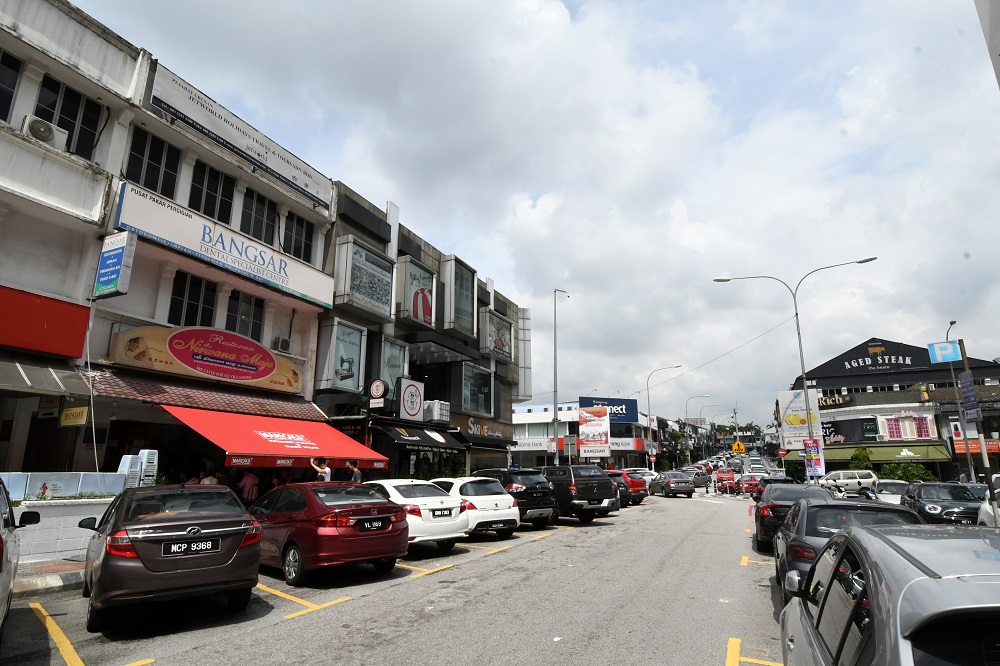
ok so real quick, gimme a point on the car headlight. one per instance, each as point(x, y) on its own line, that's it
point(932, 508)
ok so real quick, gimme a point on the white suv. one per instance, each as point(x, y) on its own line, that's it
point(851, 480)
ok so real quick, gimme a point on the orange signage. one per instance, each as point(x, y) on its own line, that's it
point(992, 446)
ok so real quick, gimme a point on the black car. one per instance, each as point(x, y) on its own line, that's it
point(531, 490)
point(774, 503)
point(949, 503)
point(896, 594)
point(584, 491)
point(624, 494)
point(769, 480)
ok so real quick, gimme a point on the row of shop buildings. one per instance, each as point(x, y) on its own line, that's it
point(173, 279)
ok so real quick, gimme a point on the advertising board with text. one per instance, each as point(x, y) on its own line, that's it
point(594, 439)
point(794, 423)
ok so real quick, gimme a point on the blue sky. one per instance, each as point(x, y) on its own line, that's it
point(629, 152)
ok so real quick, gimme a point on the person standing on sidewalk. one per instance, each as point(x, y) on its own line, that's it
point(355, 472)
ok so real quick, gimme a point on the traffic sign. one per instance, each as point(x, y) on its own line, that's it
point(738, 447)
point(782, 453)
point(652, 458)
point(944, 352)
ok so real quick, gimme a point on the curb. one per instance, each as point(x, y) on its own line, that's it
point(34, 585)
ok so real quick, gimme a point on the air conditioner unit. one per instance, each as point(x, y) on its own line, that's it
point(45, 132)
point(281, 344)
point(437, 410)
point(883, 438)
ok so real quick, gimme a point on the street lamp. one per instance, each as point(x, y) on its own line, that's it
point(687, 426)
point(700, 418)
point(649, 413)
point(961, 412)
point(798, 328)
point(555, 375)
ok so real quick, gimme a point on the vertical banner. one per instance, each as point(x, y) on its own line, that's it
point(114, 268)
point(815, 464)
point(594, 440)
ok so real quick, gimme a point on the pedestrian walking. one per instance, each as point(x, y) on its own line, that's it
point(964, 476)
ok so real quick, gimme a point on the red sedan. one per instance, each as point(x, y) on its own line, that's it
point(308, 526)
point(724, 474)
point(748, 482)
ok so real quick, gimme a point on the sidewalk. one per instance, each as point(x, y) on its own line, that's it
point(34, 578)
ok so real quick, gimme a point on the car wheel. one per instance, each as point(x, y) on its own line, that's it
point(637, 502)
point(505, 534)
point(624, 503)
point(690, 495)
point(238, 600)
point(293, 567)
point(97, 618)
point(445, 546)
point(384, 566)
point(585, 517)
point(755, 542)
point(540, 523)
point(554, 518)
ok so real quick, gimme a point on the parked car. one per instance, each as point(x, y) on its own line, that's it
point(638, 487)
point(309, 526)
point(489, 507)
point(766, 481)
point(621, 487)
point(811, 522)
point(887, 595)
point(980, 490)
point(431, 513)
point(531, 490)
point(850, 480)
point(584, 491)
point(747, 483)
point(168, 542)
point(646, 474)
point(774, 503)
point(890, 490)
point(672, 484)
point(10, 550)
point(949, 503)
point(736, 466)
point(724, 474)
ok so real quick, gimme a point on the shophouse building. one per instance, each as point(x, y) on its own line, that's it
point(176, 280)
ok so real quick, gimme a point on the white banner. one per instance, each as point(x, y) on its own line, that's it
point(589, 451)
point(545, 445)
point(794, 426)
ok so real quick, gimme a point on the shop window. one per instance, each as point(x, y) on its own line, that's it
point(212, 192)
point(152, 163)
point(298, 237)
point(74, 112)
point(894, 428)
point(10, 73)
point(260, 217)
point(192, 301)
point(245, 315)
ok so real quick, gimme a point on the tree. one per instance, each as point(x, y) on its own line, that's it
point(861, 459)
point(909, 472)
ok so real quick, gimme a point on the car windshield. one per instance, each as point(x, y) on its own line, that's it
point(825, 521)
point(524, 478)
point(482, 487)
point(588, 472)
point(891, 487)
point(170, 504)
point(676, 475)
point(945, 492)
point(979, 490)
point(347, 495)
point(411, 490)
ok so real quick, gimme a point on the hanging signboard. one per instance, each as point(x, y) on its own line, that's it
point(114, 268)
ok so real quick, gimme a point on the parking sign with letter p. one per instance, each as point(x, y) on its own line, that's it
point(943, 352)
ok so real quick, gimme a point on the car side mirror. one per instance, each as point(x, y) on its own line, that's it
point(793, 583)
point(29, 518)
point(88, 523)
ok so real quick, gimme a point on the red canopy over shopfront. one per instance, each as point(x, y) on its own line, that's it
point(264, 441)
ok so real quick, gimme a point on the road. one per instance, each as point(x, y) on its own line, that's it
point(672, 581)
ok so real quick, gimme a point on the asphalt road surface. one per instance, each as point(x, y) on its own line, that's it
point(672, 581)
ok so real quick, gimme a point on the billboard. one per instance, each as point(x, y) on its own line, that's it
point(792, 415)
point(620, 410)
point(594, 440)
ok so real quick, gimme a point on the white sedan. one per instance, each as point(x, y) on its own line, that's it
point(431, 513)
point(489, 507)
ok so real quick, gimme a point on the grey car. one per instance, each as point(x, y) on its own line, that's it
point(672, 484)
point(886, 595)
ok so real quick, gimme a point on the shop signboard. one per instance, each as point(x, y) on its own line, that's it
point(416, 294)
point(411, 400)
point(459, 295)
point(620, 410)
point(546, 445)
point(498, 333)
point(364, 279)
point(114, 268)
point(594, 439)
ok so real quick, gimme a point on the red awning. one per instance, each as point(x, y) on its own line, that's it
point(265, 441)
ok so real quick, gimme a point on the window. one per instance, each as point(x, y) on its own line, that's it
point(260, 217)
point(192, 301)
point(845, 613)
point(152, 163)
point(212, 192)
point(298, 237)
point(291, 500)
point(245, 315)
point(76, 113)
point(10, 72)
point(922, 427)
point(894, 428)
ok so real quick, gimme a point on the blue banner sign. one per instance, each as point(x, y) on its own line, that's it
point(114, 269)
point(620, 410)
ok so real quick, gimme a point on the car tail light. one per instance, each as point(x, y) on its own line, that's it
point(515, 488)
point(551, 486)
point(467, 505)
point(398, 517)
point(801, 551)
point(119, 545)
point(412, 509)
point(768, 510)
point(572, 489)
point(252, 536)
point(515, 504)
point(334, 520)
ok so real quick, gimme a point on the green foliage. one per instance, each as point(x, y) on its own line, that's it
point(424, 469)
point(861, 458)
point(795, 469)
point(160, 479)
point(906, 472)
point(455, 465)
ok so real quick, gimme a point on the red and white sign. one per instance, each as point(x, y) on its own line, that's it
point(652, 458)
point(782, 453)
point(411, 400)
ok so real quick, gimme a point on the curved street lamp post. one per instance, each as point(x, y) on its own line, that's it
point(649, 413)
point(798, 328)
point(702, 420)
point(687, 426)
point(555, 376)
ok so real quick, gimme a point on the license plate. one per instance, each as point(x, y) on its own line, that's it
point(441, 513)
point(538, 494)
point(373, 524)
point(593, 501)
point(496, 526)
point(178, 548)
point(966, 522)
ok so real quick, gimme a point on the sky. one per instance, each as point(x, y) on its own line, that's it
point(630, 152)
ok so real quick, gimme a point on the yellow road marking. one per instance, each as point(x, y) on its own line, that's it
point(746, 560)
point(541, 536)
point(284, 595)
point(761, 661)
point(141, 663)
point(310, 606)
point(423, 572)
point(315, 608)
point(733, 657)
point(748, 530)
point(492, 550)
point(564, 527)
point(69, 654)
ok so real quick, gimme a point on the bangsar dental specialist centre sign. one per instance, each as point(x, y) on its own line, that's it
point(163, 221)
